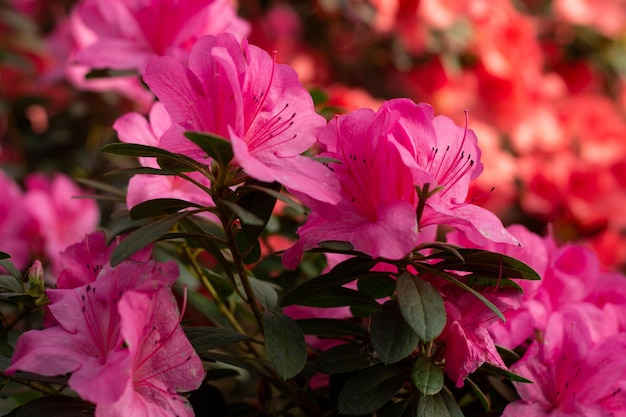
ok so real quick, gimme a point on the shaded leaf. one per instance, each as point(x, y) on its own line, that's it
point(4, 255)
point(441, 404)
point(404, 408)
point(488, 264)
point(427, 376)
point(221, 373)
point(260, 203)
point(10, 283)
point(495, 370)
point(284, 343)
point(216, 147)
point(144, 236)
point(297, 207)
point(421, 306)
point(11, 269)
point(336, 297)
point(346, 358)
point(377, 285)
point(159, 206)
point(265, 293)
point(484, 400)
point(244, 215)
point(370, 389)
point(392, 338)
point(209, 338)
point(331, 328)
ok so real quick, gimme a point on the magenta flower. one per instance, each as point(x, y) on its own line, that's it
point(244, 96)
point(113, 337)
point(62, 218)
point(130, 33)
point(134, 128)
point(572, 375)
point(377, 211)
point(15, 222)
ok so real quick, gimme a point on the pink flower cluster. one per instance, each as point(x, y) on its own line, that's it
point(45, 219)
point(117, 331)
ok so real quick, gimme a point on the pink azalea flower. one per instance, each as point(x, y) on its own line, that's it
point(134, 128)
point(572, 375)
point(15, 223)
point(62, 218)
point(82, 262)
point(377, 211)
point(130, 33)
point(468, 343)
point(114, 336)
point(244, 96)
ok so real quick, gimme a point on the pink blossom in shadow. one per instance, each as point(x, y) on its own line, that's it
point(130, 33)
point(134, 128)
point(16, 224)
point(62, 218)
point(241, 94)
point(114, 336)
point(573, 375)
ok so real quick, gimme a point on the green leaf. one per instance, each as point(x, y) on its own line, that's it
point(441, 404)
point(11, 269)
point(244, 215)
point(159, 207)
point(11, 284)
point(484, 400)
point(208, 338)
point(341, 274)
point(258, 202)
point(284, 343)
point(137, 150)
point(404, 408)
point(221, 373)
point(370, 389)
point(108, 72)
point(216, 147)
point(391, 337)
point(54, 406)
point(4, 255)
point(336, 245)
point(297, 207)
point(421, 306)
point(265, 292)
point(338, 297)
point(377, 285)
point(144, 236)
point(331, 328)
point(346, 358)
point(488, 264)
point(495, 370)
point(427, 377)
point(478, 280)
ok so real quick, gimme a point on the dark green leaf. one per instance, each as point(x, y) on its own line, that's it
point(488, 264)
point(244, 215)
point(297, 207)
point(216, 147)
point(159, 207)
point(370, 389)
point(404, 408)
point(55, 406)
point(220, 373)
point(143, 237)
point(209, 338)
point(10, 283)
point(265, 293)
point(441, 404)
point(477, 280)
point(258, 202)
point(102, 187)
point(250, 253)
point(345, 358)
point(284, 343)
point(251, 364)
point(391, 337)
point(336, 297)
point(484, 400)
point(331, 328)
point(137, 150)
point(336, 245)
point(421, 306)
point(341, 274)
point(495, 370)
point(108, 72)
point(427, 376)
point(507, 354)
point(4, 255)
point(377, 285)
point(11, 269)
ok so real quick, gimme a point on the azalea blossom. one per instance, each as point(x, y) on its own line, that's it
point(384, 157)
point(130, 33)
point(240, 93)
point(134, 128)
point(572, 374)
point(114, 336)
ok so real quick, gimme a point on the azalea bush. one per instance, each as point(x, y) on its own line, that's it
point(385, 208)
